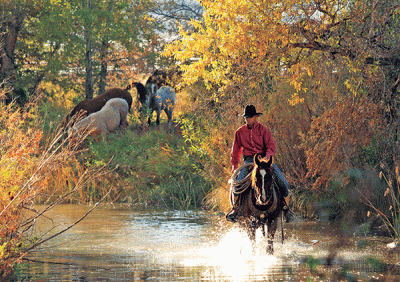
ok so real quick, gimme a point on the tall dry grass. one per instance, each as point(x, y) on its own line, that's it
point(32, 169)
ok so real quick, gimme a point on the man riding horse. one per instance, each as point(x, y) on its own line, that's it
point(250, 139)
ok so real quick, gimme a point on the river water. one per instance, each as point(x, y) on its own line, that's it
point(123, 243)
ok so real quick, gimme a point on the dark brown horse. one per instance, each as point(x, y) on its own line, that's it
point(85, 108)
point(262, 204)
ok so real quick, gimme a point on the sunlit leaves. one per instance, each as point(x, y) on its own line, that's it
point(262, 36)
point(237, 35)
point(19, 146)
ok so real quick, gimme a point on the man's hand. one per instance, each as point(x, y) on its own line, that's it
point(234, 167)
point(266, 158)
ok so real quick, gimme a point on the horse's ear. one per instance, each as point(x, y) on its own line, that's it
point(257, 159)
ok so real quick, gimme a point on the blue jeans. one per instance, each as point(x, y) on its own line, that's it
point(245, 171)
point(281, 181)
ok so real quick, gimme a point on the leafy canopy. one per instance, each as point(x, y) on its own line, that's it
point(237, 39)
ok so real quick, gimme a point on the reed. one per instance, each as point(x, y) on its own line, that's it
point(391, 215)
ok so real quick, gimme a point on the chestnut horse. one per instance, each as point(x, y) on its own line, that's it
point(261, 204)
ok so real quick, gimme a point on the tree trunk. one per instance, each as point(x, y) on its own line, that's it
point(8, 42)
point(89, 72)
point(103, 70)
point(89, 63)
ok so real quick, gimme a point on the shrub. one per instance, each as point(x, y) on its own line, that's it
point(31, 169)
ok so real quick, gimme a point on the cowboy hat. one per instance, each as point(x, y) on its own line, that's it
point(250, 111)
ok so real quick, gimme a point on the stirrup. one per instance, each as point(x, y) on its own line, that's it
point(231, 215)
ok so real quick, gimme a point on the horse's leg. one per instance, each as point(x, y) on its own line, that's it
point(169, 115)
point(158, 112)
point(271, 234)
point(123, 121)
point(149, 118)
point(251, 232)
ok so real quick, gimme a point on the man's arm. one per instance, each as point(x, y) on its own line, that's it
point(236, 152)
point(269, 144)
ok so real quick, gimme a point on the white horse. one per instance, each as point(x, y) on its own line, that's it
point(113, 114)
point(163, 99)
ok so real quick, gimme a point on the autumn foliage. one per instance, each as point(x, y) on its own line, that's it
point(334, 136)
point(33, 169)
point(324, 73)
point(18, 147)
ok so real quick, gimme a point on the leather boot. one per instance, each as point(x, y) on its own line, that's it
point(232, 214)
point(288, 214)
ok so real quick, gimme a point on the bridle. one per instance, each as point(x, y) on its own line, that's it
point(262, 197)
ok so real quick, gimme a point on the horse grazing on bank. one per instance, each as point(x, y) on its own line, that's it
point(261, 202)
point(85, 108)
point(112, 115)
point(162, 100)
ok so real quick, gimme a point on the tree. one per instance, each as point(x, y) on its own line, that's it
point(319, 53)
point(175, 13)
point(273, 36)
point(96, 26)
point(43, 39)
point(13, 15)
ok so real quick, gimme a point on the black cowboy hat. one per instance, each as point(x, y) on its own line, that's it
point(250, 111)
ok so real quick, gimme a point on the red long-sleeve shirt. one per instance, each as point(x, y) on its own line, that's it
point(258, 139)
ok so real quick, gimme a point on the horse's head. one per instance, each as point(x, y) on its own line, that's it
point(262, 179)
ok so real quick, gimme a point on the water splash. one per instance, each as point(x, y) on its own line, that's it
point(232, 258)
point(126, 245)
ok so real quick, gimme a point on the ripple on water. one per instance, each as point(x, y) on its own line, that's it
point(124, 244)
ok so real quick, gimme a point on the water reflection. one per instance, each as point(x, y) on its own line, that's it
point(119, 243)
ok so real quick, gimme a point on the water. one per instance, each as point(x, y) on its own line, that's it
point(120, 243)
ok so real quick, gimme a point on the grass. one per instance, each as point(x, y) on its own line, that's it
point(151, 166)
point(391, 214)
